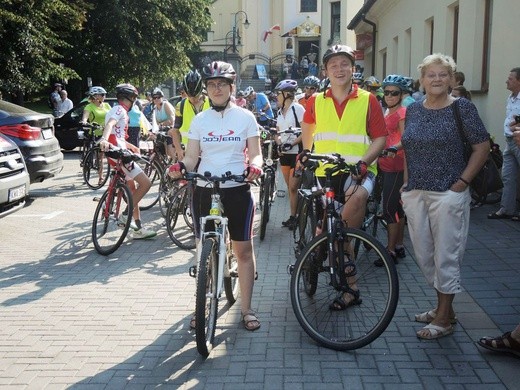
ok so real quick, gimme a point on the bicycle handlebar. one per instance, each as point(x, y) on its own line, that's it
point(207, 176)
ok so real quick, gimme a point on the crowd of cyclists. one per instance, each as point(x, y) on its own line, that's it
point(216, 128)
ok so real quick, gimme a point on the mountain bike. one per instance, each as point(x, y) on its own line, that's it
point(268, 179)
point(217, 268)
point(329, 267)
point(179, 218)
point(95, 166)
point(113, 214)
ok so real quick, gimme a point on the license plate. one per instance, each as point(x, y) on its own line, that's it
point(47, 133)
point(16, 193)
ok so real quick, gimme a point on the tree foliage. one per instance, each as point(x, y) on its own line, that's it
point(30, 44)
point(139, 41)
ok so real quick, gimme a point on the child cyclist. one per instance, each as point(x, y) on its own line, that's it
point(115, 133)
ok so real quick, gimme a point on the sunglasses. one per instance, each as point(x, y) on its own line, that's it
point(392, 93)
point(156, 97)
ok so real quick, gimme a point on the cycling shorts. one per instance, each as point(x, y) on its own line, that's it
point(239, 208)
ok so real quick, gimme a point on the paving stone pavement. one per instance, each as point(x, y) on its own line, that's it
point(70, 318)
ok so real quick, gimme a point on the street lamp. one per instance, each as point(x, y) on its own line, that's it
point(235, 29)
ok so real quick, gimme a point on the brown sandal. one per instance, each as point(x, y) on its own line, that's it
point(250, 321)
point(504, 343)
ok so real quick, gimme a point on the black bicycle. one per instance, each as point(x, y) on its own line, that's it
point(94, 164)
point(328, 269)
point(268, 179)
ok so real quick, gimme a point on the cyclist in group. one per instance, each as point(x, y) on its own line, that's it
point(210, 138)
point(261, 105)
point(372, 85)
point(188, 108)
point(290, 115)
point(164, 115)
point(95, 112)
point(391, 167)
point(311, 84)
point(115, 133)
point(348, 120)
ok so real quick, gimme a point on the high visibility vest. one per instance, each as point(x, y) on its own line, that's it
point(346, 135)
point(188, 113)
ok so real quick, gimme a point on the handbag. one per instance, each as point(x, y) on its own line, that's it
point(488, 179)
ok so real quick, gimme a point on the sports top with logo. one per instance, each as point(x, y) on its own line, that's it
point(228, 136)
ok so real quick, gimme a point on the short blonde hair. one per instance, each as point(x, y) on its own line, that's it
point(438, 59)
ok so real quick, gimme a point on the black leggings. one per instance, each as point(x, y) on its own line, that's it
point(392, 205)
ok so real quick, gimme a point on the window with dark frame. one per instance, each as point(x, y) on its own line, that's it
point(335, 20)
point(308, 5)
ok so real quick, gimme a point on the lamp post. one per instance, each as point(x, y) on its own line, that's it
point(235, 29)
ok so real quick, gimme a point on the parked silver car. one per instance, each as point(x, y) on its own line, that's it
point(14, 178)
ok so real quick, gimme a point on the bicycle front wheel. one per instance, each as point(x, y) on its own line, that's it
point(206, 300)
point(357, 325)
point(179, 224)
point(266, 203)
point(96, 168)
point(112, 219)
point(154, 171)
point(231, 286)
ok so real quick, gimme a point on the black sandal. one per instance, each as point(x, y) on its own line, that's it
point(496, 215)
point(339, 303)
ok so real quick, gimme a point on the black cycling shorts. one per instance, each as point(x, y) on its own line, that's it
point(239, 208)
point(288, 160)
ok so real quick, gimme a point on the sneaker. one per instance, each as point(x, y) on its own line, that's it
point(400, 252)
point(122, 220)
point(290, 223)
point(141, 234)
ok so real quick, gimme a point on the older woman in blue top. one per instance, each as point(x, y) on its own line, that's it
point(435, 194)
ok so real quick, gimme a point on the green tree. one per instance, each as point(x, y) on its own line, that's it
point(139, 41)
point(30, 43)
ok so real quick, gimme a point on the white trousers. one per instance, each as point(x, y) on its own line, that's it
point(438, 223)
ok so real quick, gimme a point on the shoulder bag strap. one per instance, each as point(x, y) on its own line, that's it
point(465, 142)
point(296, 121)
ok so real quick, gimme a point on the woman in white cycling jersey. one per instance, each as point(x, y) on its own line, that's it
point(226, 138)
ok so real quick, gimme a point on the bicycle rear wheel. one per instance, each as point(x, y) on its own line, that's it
point(96, 168)
point(167, 188)
point(206, 300)
point(154, 171)
point(358, 325)
point(179, 224)
point(112, 219)
point(306, 224)
point(266, 203)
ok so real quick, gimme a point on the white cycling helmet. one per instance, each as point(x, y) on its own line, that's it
point(97, 91)
point(248, 91)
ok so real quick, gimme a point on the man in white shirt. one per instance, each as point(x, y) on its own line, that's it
point(65, 104)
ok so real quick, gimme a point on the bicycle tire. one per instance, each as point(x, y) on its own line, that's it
point(108, 231)
point(306, 227)
point(91, 168)
point(154, 171)
point(206, 300)
point(180, 232)
point(231, 285)
point(266, 204)
point(166, 190)
point(358, 325)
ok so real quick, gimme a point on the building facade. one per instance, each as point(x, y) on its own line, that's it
point(393, 36)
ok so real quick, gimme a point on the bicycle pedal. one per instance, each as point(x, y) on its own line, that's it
point(192, 271)
point(280, 193)
point(290, 269)
point(96, 199)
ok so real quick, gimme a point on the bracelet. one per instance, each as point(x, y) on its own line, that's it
point(464, 181)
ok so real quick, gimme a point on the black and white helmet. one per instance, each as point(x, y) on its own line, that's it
point(193, 83)
point(248, 91)
point(126, 91)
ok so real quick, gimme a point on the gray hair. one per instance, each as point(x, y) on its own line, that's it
point(438, 59)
